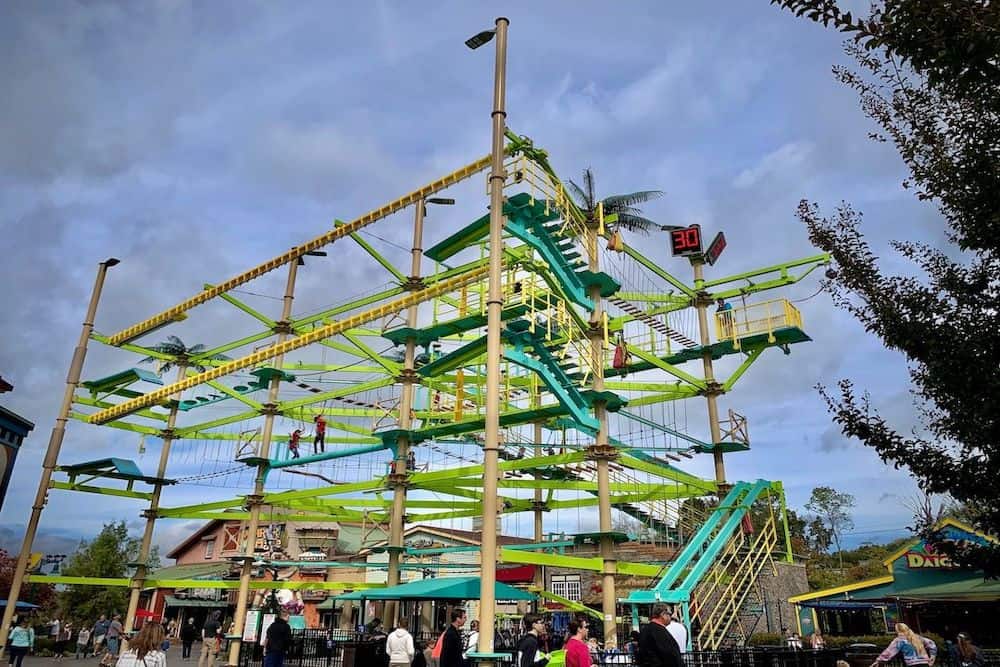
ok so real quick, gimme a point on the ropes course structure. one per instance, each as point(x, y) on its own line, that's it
point(373, 409)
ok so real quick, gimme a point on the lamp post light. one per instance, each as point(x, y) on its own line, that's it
point(55, 444)
point(494, 304)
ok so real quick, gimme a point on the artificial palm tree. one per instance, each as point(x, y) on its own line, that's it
point(629, 215)
point(181, 353)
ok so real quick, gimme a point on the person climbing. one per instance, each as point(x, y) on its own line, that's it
point(293, 442)
point(411, 461)
point(319, 444)
point(724, 312)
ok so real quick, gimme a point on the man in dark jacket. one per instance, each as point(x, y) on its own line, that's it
point(277, 641)
point(528, 654)
point(657, 648)
point(451, 646)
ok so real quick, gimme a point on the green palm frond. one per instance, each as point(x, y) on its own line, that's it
point(635, 223)
point(577, 193)
point(632, 198)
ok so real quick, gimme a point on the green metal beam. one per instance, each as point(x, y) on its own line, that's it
point(738, 373)
point(374, 253)
point(669, 368)
point(263, 319)
point(101, 490)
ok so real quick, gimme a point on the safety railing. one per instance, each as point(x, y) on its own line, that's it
point(735, 324)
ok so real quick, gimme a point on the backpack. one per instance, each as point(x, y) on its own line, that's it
point(436, 651)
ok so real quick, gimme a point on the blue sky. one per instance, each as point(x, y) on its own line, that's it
point(195, 140)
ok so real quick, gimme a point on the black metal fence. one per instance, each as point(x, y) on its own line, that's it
point(337, 648)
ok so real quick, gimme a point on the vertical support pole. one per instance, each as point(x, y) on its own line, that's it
point(52, 453)
point(539, 578)
point(602, 451)
point(780, 488)
point(494, 305)
point(139, 579)
point(283, 329)
point(714, 389)
point(400, 475)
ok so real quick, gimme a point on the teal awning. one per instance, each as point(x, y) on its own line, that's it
point(445, 588)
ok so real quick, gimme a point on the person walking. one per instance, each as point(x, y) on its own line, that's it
point(82, 639)
point(471, 640)
point(914, 649)
point(293, 442)
point(451, 644)
point(100, 632)
point(528, 653)
point(277, 641)
point(657, 647)
point(210, 640)
point(21, 641)
point(114, 636)
point(144, 649)
point(399, 646)
point(577, 650)
point(678, 630)
point(189, 633)
point(62, 639)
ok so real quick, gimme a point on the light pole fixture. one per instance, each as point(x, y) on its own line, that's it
point(441, 201)
point(480, 38)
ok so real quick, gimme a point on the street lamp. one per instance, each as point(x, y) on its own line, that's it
point(494, 305)
point(479, 39)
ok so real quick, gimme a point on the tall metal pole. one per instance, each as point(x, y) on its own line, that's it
point(494, 304)
point(400, 475)
point(538, 579)
point(601, 451)
point(52, 453)
point(139, 579)
point(283, 328)
point(713, 388)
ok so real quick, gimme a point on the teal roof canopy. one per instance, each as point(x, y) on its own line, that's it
point(445, 588)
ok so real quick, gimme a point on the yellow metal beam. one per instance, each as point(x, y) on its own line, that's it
point(332, 329)
point(330, 236)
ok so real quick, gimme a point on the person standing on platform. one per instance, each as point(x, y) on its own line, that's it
point(319, 440)
point(293, 442)
point(657, 647)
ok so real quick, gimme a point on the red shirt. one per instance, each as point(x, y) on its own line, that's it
point(294, 442)
point(320, 426)
point(577, 653)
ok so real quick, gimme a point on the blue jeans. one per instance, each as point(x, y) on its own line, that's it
point(113, 644)
point(274, 659)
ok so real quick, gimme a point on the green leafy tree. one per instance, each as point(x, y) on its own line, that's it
point(630, 215)
point(820, 537)
point(182, 355)
point(833, 509)
point(106, 556)
point(929, 77)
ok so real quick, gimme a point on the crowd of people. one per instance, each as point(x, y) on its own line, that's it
point(660, 643)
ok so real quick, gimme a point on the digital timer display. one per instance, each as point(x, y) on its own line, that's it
point(686, 241)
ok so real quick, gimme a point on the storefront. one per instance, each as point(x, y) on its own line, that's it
point(921, 588)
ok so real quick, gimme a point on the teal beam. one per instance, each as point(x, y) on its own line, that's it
point(721, 538)
point(695, 546)
point(328, 456)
